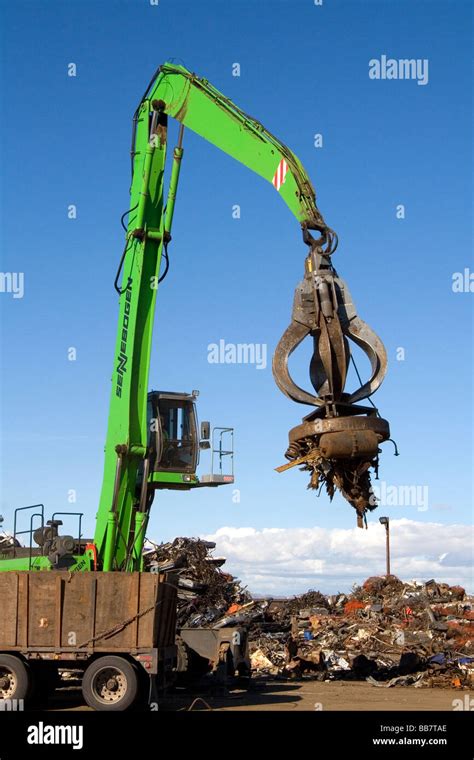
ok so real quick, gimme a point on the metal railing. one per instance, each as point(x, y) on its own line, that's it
point(220, 451)
point(29, 530)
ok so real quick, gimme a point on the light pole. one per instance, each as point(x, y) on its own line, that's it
point(385, 521)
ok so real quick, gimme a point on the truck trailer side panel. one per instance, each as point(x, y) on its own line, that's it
point(76, 614)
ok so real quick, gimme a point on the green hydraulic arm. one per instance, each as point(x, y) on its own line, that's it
point(124, 503)
point(198, 105)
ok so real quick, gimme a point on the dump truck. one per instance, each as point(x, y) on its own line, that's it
point(117, 628)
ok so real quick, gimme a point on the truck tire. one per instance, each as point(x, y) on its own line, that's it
point(14, 677)
point(110, 683)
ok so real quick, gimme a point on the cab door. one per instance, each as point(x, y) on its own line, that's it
point(173, 433)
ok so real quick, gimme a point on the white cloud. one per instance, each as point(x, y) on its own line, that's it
point(284, 561)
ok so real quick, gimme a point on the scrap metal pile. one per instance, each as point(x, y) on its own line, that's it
point(206, 594)
point(388, 632)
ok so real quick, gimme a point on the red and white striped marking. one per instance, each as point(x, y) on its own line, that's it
point(280, 174)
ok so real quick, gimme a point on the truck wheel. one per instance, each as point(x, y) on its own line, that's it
point(14, 677)
point(110, 683)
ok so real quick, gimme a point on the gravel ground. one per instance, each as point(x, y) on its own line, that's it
point(267, 694)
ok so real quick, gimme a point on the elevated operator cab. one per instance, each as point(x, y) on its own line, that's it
point(175, 440)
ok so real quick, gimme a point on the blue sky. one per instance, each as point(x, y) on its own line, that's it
point(304, 70)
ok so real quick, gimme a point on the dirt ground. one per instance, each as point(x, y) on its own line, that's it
point(266, 694)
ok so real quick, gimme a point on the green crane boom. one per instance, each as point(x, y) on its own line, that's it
point(195, 103)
